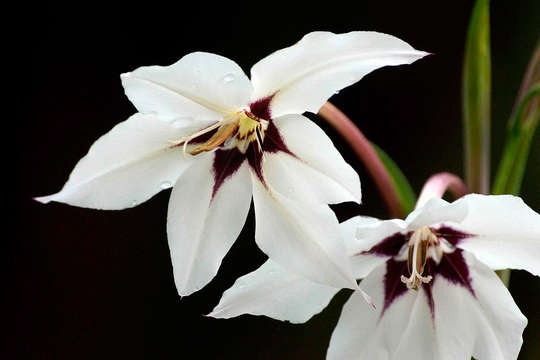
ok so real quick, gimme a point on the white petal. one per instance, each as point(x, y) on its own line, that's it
point(303, 238)
point(405, 331)
point(317, 172)
point(362, 264)
point(507, 232)
point(488, 326)
point(306, 74)
point(201, 230)
point(275, 292)
point(370, 233)
point(435, 211)
point(349, 227)
point(199, 86)
point(126, 166)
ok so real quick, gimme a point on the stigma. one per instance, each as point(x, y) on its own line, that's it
point(423, 244)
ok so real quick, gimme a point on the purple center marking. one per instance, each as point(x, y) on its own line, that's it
point(451, 235)
point(389, 246)
point(452, 267)
point(261, 108)
point(393, 286)
point(227, 162)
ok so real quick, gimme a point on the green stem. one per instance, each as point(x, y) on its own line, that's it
point(366, 153)
point(477, 100)
point(518, 142)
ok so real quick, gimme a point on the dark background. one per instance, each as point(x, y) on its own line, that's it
point(86, 284)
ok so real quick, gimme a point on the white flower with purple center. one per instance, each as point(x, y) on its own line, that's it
point(430, 277)
point(220, 139)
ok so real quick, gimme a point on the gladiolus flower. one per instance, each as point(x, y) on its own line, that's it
point(220, 139)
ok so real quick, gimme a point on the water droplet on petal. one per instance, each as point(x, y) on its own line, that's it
point(229, 78)
point(165, 184)
point(134, 203)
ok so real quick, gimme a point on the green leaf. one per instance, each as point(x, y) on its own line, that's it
point(518, 142)
point(405, 193)
point(477, 99)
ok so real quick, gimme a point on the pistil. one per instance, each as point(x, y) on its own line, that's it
point(419, 244)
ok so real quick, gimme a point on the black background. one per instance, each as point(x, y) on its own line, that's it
point(85, 284)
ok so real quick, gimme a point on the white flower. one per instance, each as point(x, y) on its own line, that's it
point(430, 277)
point(219, 138)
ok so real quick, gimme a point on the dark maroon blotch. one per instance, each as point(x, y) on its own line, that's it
point(451, 235)
point(393, 286)
point(226, 163)
point(427, 289)
point(254, 158)
point(389, 246)
point(273, 142)
point(454, 268)
point(261, 108)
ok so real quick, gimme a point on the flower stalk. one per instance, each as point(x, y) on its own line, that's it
point(438, 184)
point(366, 153)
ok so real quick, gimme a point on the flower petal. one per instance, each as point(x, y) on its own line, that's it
point(370, 234)
point(126, 166)
point(362, 263)
point(313, 170)
point(487, 325)
point(305, 75)
point(303, 238)
point(435, 211)
point(404, 331)
point(203, 225)
point(200, 86)
point(506, 232)
point(275, 292)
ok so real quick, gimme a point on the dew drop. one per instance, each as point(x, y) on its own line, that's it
point(165, 184)
point(229, 78)
point(134, 203)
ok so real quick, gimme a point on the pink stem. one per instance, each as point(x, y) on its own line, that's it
point(438, 184)
point(363, 149)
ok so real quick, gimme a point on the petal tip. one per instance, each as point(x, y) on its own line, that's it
point(213, 314)
point(44, 199)
point(367, 298)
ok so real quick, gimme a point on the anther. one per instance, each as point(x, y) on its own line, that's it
point(419, 244)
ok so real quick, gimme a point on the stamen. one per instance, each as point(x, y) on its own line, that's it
point(419, 244)
point(186, 139)
point(223, 133)
point(240, 128)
